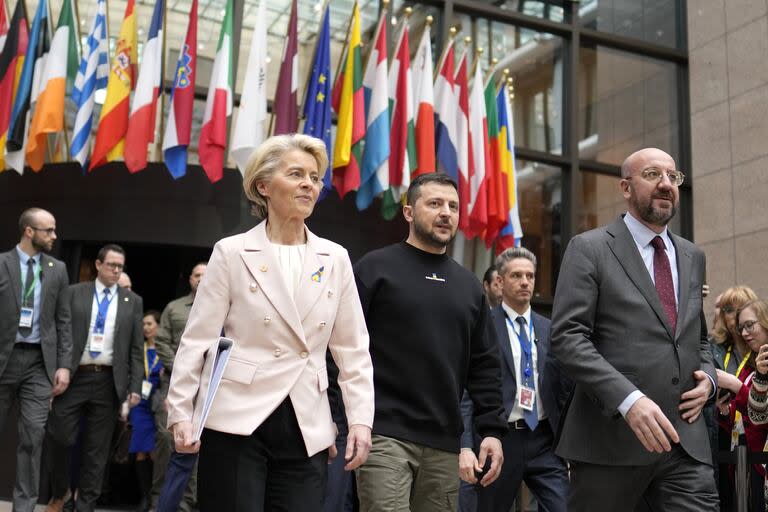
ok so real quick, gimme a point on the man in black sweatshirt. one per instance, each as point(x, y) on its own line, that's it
point(430, 339)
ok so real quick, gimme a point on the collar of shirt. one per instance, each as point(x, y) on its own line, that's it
point(512, 315)
point(100, 289)
point(24, 257)
point(190, 300)
point(642, 234)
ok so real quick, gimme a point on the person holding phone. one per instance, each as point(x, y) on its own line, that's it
point(747, 410)
point(285, 296)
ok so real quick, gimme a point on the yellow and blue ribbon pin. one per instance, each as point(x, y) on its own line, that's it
point(318, 276)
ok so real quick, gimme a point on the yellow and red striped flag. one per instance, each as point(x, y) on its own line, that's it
point(113, 121)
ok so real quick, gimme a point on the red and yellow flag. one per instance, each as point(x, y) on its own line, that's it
point(349, 103)
point(113, 121)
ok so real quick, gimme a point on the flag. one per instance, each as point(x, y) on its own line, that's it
point(218, 105)
point(424, 105)
point(249, 130)
point(27, 91)
point(512, 233)
point(374, 172)
point(478, 135)
point(464, 156)
point(60, 69)
point(180, 111)
point(285, 109)
point(349, 103)
point(317, 104)
point(498, 205)
point(141, 121)
point(91, 76)
point(3, 25)
point(402, 139)
point(113, 121)
point(11, 64)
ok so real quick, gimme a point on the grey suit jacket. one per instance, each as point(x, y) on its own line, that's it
point(128, 355)
point(55, 336)
point(612, 337)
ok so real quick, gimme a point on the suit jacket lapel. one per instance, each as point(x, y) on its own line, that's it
point(13, 263)
point(86, 302)
point(265, 269)
point(46, 274)
point(314, 275)
point(624, 248)
point(500, 318)
point(122, 311)
point(541, 339)
point(683, 279)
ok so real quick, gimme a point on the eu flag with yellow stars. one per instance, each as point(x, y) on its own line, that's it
point(317, 104)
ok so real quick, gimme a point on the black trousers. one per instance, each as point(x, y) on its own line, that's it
point(266, 471)
point(675, 482)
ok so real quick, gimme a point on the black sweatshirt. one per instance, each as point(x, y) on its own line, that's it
point(431, 337)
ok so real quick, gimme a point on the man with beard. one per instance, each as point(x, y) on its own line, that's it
point(627, 330)
point(35, 343)
point(431, 338)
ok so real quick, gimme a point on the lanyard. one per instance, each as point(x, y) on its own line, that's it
point(728, 358)
point(101, 314)
point(527, 349)
point(29, 291)
point(147, 370)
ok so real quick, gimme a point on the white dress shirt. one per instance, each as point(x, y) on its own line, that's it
point(514, 341)
point(291, 259)
point(105, 357)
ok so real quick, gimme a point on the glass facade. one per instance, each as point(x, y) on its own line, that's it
point(592, 82)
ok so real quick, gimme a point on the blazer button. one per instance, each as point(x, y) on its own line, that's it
point(253, 287)
point(278, 352)
point(330, 293)
point(304, 354)
point(675, 381)
point(322, 324)
point(267, 320)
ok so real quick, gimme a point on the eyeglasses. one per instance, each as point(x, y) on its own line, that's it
point(47, 231)
point(748, 326)
point(654, 175)
point(115, 267)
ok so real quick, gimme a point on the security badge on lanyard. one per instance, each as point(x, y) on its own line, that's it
point(97, 336)
point(28, 302)
point(146, 384)
point(527, 395)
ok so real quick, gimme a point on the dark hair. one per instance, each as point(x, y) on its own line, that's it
point(109, 247)
point(414, 189)
point(27, 218)
point(154, 314)
point(489, 274)
point(204, 263)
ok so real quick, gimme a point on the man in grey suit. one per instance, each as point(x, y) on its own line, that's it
point(107, 369)
point(626, 328)
point(35, 343)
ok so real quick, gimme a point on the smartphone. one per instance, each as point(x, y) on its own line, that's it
point(722, 392)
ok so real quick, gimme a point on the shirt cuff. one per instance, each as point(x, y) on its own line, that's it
point(628, 402)
point(714, 386)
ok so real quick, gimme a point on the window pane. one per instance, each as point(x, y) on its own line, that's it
point(653, 21)
point(626, 102)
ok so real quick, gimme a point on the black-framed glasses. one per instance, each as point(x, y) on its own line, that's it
point(654, 175)
point(748, 326)
point(115, 267)
point(47, 231)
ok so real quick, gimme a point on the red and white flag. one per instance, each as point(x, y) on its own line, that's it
point(424, 103)
point(286, 108)
point(478, 134)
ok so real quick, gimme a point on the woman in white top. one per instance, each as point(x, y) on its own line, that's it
point(284, 296)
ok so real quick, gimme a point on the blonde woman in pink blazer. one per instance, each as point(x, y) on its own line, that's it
point(285, 296)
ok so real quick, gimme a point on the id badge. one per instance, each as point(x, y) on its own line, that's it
point(97, 342)
point(146, 389)
point(526, 398)
point(25, 319)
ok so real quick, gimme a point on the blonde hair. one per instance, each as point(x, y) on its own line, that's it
point(734, 297)
point(760, 307)
point(266, 160)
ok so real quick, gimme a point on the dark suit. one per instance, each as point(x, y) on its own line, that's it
point(528, 455)
point(612, 336)
point(27, 370)
point(94, 392)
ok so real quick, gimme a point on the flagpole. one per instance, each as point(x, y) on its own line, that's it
point(48, 149)
point(491, 72)
point(478, 53)
point(161, 132)
point(346, 44)
point(314, 54)
point(453, 31)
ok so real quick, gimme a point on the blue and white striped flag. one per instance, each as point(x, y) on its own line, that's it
point(92, 75)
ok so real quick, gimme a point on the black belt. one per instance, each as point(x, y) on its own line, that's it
point(94, 368)
point(27, 346)
point(522, 425)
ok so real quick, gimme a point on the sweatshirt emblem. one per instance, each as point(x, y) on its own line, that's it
point(434, 277)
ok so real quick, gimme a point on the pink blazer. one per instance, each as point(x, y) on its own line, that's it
point(280, 344)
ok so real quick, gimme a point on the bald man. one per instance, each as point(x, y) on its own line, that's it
point(35, 343)
point(124, 281)
point(626, 328)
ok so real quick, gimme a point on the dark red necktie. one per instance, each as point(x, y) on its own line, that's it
point(662, 276)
